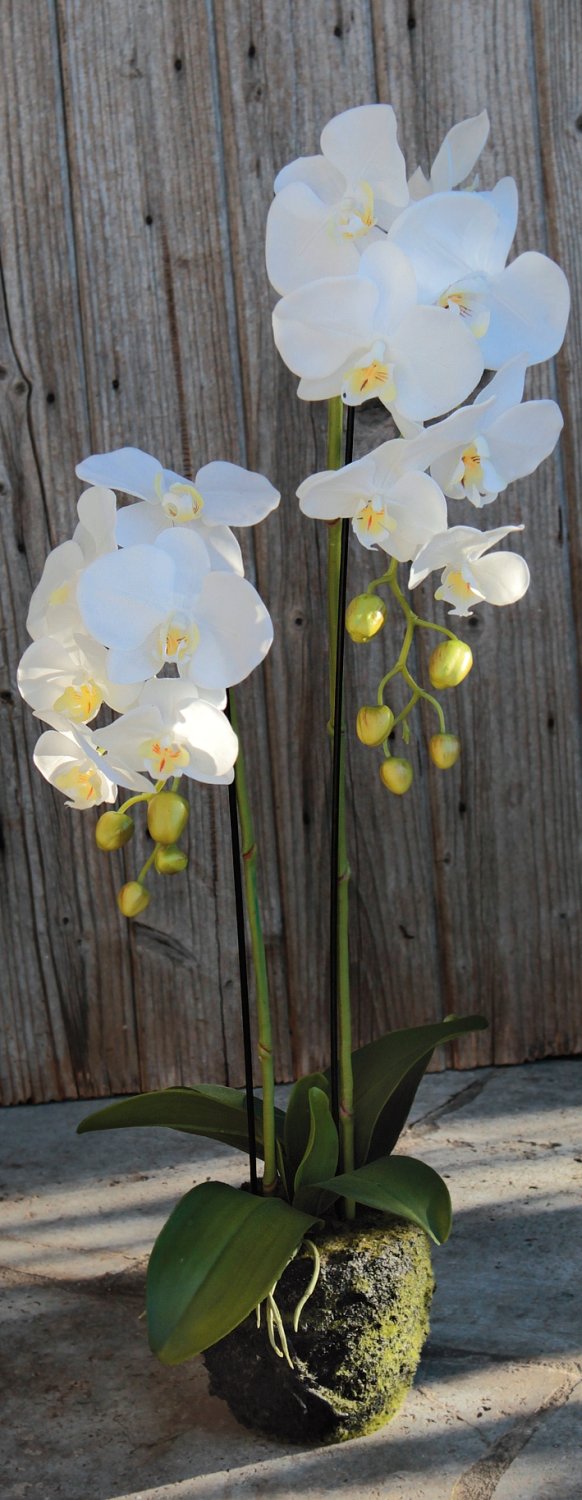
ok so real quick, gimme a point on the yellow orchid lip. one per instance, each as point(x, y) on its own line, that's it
point(355, 215)
point(79, 703)
point(373, 379)
point(84, 785)
point(164, 758)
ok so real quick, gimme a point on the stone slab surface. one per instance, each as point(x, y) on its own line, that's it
point(88, 1414)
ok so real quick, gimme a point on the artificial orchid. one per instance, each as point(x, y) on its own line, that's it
point(365, 335)
point(472, 574)
point(221, 495)
point(328, 209)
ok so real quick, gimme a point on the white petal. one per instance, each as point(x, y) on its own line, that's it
point(97, 512)
point(419, 509)
point(57, 753)
point(504, 199)
point(459, 151)
point(212, 742)
point(446, 237)
point(234, 496)
point(53, 607)
point(337, 492)
point(504, 390)
point(330, 385)
point(317, 173)
point(523, 437)
point(139, 523)
point(502, 578)
point(126, 469)
point(190, 558)
point(437, 362)
point(128, 667)
point(392, 274)
point(223, 549)
point(362, 143)
point(173, 696)
point(529, 303)
point(444, 438)
point(320, 326)
point(300, 243)
point(125, 595)
point(236, 632)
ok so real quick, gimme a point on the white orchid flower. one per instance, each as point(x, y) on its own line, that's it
point(364, 335)
point(72, 680)
point(390, 507)
point(508, 439)
point(458, 244)
point(162, 603)
point(469, 576)
point(53, 608)
point(329, 208)
point(174, 732)
point(222, 495)
point(454, 160)
point(70, 758)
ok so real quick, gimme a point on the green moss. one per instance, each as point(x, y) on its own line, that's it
point(358, 1344)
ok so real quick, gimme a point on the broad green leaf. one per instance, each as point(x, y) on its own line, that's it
point(387, 1074)
point(400, 1185)
point(298, 1119)
point(217, 1256)
point(209, 1109)
point(321, 1154)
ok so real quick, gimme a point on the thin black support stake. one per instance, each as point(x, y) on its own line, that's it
point(335, 789)
point(244, 979)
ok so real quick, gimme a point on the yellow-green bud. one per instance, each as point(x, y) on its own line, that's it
point(170, 860)
point(396, 775)
point(449, 664)
point(167, 817)
point(132, 898)
point(113, 830)
point(365, 616)
point(444, 749)
point(374, 723)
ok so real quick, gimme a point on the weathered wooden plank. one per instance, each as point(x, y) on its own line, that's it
point(162, 364)
point(283, 73)
point(509, 874)
point(52, 905)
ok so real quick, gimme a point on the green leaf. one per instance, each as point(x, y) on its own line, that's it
point(298, 1119)
point(321, 1154)
point(386, 1076)
point(400, 1185)
point(217, 1256)
point(209, 1109)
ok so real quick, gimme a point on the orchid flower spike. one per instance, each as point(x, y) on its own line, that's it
point(508, 439)
point(469, 576)
point(174, 731)
point(364, 335)
point(455, 159)
point(152, 604)
point(222, 495)
point(53, 608)
point(328, 209)
point(458, 244)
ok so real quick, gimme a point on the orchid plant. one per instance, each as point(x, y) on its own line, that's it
point(393, 287)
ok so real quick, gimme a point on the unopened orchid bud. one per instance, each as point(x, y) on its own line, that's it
point(365, 616)
point(374, 723)
point(132, 898)
point(113, 830)
point(449, 664)
point(445, 750)
point(170, 860)
point(396, 775)
point(167, 817)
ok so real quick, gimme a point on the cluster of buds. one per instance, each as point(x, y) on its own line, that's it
point(167, 819)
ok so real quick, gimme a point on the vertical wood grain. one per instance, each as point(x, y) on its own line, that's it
point(140, 143)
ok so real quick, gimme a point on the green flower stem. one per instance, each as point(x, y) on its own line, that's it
point(148, 864)
point(400, 668)
point(346, 1083)
point(265, 1034)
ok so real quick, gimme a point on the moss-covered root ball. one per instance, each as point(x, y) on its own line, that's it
point(359, 1341)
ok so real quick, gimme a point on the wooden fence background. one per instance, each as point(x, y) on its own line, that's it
point(139, 144)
